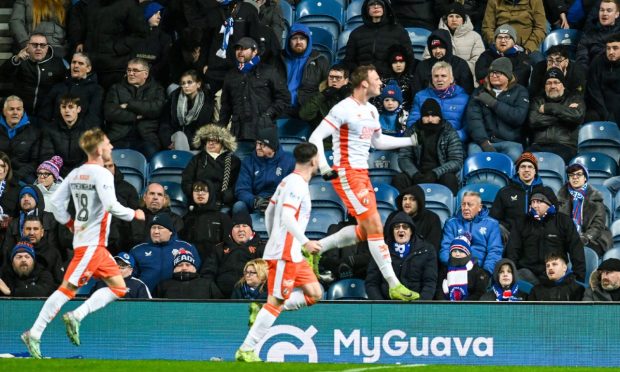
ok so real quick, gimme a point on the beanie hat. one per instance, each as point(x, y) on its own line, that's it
point(555, 73)
point(151, 9)
point(502, 65)
point(184, 255)
point(456, 8)
point(269, 136)
point(436, 42)
point(53, 166)
point(23, 246)
point(507, 29)
point(126, 258)
point(529, 157)
point(380, 2)
point(164, 220)
point(30, 191)
point(546, 195)
point(610, 264)
point(541, 197)
point(574, 167)
point(241, 218)
point(462, 243)
point(392, 90)
point(430, 107)
point(397, 57)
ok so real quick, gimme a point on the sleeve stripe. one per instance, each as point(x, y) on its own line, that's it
point(330, 123)
point(290, 206)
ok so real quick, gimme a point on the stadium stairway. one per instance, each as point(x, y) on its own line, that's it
point(5, 39)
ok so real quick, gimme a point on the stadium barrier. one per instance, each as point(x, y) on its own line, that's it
point(580, 334)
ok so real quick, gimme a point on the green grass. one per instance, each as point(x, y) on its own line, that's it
point(81, 365)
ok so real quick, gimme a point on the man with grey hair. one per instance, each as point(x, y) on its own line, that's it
point(19, 139)
point(605, 282)
point(132, 109)
point(473, 218)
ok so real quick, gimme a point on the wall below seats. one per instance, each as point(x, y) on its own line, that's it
point(424, 333)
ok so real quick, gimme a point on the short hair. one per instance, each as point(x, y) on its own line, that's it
point(66, 99)
point(91, 139)
point(360, 74)
point(33, 217)
point(140, 61)
point(444, 65)
point(560, 49)
point(613, 38)
point(556, 255)
point(83, 55)
point(194, 75)
point(304, 152)
point(7, 161)
point(610, 1)
point(472, 193)
point(9, 99)
point(166, 203)
point(38, 34)
point(342, 68)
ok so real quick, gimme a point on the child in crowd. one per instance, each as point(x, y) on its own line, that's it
point(464, 280)
point(504, 286)
point(393, 117)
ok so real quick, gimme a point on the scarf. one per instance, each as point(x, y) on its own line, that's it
point(2, 187)
point(250, 293)
point(578, 196)
point(445, 93)
point(502, 294)
point(227, 30)
point(550, 211)
point(186, 116)
point(402, 250)
point(248, 66)
point(455, 284)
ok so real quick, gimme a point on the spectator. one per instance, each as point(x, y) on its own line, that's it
point(584, 204)
point(504, 286)
point(543, 232)
point(216, 162)
point(451, 97)
point(62, 136)
point(154, 201)
point(505, 45)
point(261, 173)
point(253, 283)
point(402, 69)
point(497, 112)
point(604, 282)
point(574, 73)
point(419, 13)
point(270, 15)
point(82, 84)
point(369, 43)
point(240, 246)
point(393, 117)
point(204, 225)
point(255, 80)
point(555, 117)
point(439, 156)
point(485, 241)
point(9, 199)
point(48, 18)
point(154, 257)
point(527, 18)
point(132, 110)
point(474, 8)
point(512, 201)
point(412, 201)
point(331, 91)
point(464, 279)
point(439, 43)
point(602, 89)
point(135, 287)
point(24, 277)
point(185, 283)
point(189, 108)
point(33, 71)
point(414, 261)
point(559, 284)
point(303, 67)
point(592, 43)
point(48, 179)
point(155, 48)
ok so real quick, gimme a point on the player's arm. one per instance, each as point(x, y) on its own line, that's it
point(269, 214)
point(104, 183)
point(383, 142)
point(325, 129)
point(58, 200)
point(292, 226)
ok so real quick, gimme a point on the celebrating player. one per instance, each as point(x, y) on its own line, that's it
point(92, 188)
point(354, 125)
point(291, 283)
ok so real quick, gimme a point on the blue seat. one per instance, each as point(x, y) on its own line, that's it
point(384, 213)
point(133, 166)
point(487, 192)
point(386, 195)
point(245, 148)
point(600, 166)
point(488, 167)
point(168, 165)
point(600, 136)
point(325, 14)
point(614, 252)
point(418, 37)
point(568, 38)
point(293, 128)
point(258, 225)
point(289, 143)
point(616, 205)
point(615, 233)
point(343, 39)
point(608, 200)
point(287, 13)
point(592, 262)
point(439, 199)
point(320, 220)
point(382, 166)
point(347, 289)
point(525, 286)
point(178, 199)
point(353, 16)
point(84, 291)
point(551, 168)
point(324, 41)
point(323, 194)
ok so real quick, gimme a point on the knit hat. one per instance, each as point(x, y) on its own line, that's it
point(456, 8)
point(30, 191)
point(555, 73)
point(546, 195)
point(502, 65)
point(431, 107)
point(151, 9)
point(269, 136)
point(462, 243)
point(53, 166)
point(398, 57)
point(392, 90)
point(23, 246)
point(380, 2)
point(241, 218)
point(610, 264)
point(529, 157)
point(184, 255)
point(246, 43)
point(436, 42)
point(164, 220)
point(507, 29)
point(574, 167)
point(126, 258)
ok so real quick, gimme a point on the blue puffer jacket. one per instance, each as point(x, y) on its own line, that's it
point(452, 108)
point(486, 244)
point(155, 262)
point(261, 176)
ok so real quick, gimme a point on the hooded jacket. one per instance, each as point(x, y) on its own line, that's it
point(416, 271)
point(405, 80)
point(21, 144)
point(560, 122)
point(521, 65)
point(417, 13)
point(318, 106)
point(490, 295)
point(369, 43)
point(427, 222)
point(603, 90)
point(526, 16)
point(512, 201)
point(486, 242)
point(460, 69)
point(595, 291)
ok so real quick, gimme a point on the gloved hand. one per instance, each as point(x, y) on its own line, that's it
point(486, 99)
point(328, 173)
point(261, 204)
point(428, 177)
point(487, 147)
point(345, 271)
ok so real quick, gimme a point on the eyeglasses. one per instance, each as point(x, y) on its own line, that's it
point(189, 82)
point(401, 226)
point(200, 189)
point(575, 175)
point(38, 45)
point(503, 37)
point(44, 175)
point(495, 73)
point(250, 273)
point(335, 77)
point(555, 61)
point(134, 71)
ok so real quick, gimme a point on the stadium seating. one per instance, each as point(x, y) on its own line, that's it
point(592, 262)
point(347, 289)
point(343, 38)
point(353, 16)
point(488, 167)
point(384, 213)
point(600, 136)
point(612, 253)
point(325, 14)
point(324, 42)
point(386, 195)
point(487, 191)
point(382, 166)
point(551, 169)
point(320, 220)
point(133, 165)
point(615, 233)
point(289, 143)
point(569, 37)
point(418, 37)
point(324, 196)
point(245, 148)
point(524, 286)
point(168, 165)
point(84, 291)
point(616, 204)
point(600, 166)
point(287, 13)
point(439, 199)
point(178, 199)
point(258, 225)
point(608, 200)
point(294, 128)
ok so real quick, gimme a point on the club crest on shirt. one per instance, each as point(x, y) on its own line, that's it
point(366, 133)
point(483, 230)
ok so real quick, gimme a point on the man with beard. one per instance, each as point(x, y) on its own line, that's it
point(603, 86)
point(24, 277)
point(505, 45)
point(605, 282)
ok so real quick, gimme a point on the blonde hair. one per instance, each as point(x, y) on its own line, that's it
point(262, 270)
point(91, 139)
point(43, 10)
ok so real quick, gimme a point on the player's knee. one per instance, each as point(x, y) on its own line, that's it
point(313, 296)
point(120, 292)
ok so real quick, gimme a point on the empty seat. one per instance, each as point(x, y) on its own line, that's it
point(133, 166)
point(487, 192)
point(325, 14)
point(386, 195)
point(439, 199)
point(488, 167)
point(525, 286)
point(569, 38)
point(258, 225)
point(293, 128)
point(592, 262)
point(323, 194)
point(168, 165)
point(343, 39)
point(324, 42)
point(382, 166)
point(320, 220)
point(608, 200)
point(353, 16)
point(551, 169)
point(347, 289)
point(614, 252)
point(245, 148)
point(418, 37)
point(600, 136)
point(289, 143)
point(600, 166)
point(178, 199)
point(287, 13)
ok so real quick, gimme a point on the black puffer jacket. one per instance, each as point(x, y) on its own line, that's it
point(427, 223)
point(417, 13)
point(560, 123)
point(592, 43)
point(38, 284)
point(512, 201)
point(188, 286)
point(59, 139)
point(565, 290)
point(22, 149)
point(369, 43)
point(156, 50)
point(574, 79)
point(603, 90)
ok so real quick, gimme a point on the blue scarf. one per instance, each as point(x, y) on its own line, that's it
point(227, 30)
point(250, 293)
point(578, 196)
point(248, 66)
point(402, 250)
point(502, 294)
point(445, 93)
point(514, 50)
point(550, 211)
point(455, 286)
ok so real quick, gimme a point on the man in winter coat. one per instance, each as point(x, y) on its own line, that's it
point(559, 282)
point(603, 87)
point(592, 43)
point(186, 284)
point(154, 201)
point(19, 139)
point(605, 282)
point(558, 57)
point(135, 287)
point(417, 13)
point(24, 277)
point(331, 91)
point(526, 16)
point(412, 201)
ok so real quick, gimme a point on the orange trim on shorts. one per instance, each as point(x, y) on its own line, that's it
point(273, 310)
point(67, 292)
point(309, 300)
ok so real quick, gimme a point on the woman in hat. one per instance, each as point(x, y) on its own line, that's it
point(48, 179)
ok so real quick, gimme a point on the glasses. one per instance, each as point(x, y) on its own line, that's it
point(495, 73)
point(249, 273)
point(189, 82)
point(335, 77)
point(134, 71)
point(401, 226)
point(503, 37)
point(43, 175)
point(38, 45)
point(575, 175)
point(260, 144)
point(200, 189)
point(555, 61)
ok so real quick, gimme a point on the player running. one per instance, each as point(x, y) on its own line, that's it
point(92, 188)
point(354, 126)
point(291, 283)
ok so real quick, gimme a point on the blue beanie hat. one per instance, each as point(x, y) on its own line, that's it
point(462, 243)
point(151, 9)
point(392, 90)
point(30, 191)
point(23, 246)
point(574, 167)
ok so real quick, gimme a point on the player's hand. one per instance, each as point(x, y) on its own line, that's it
point(139, 215)
point(312, 247)
point(328, 174)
